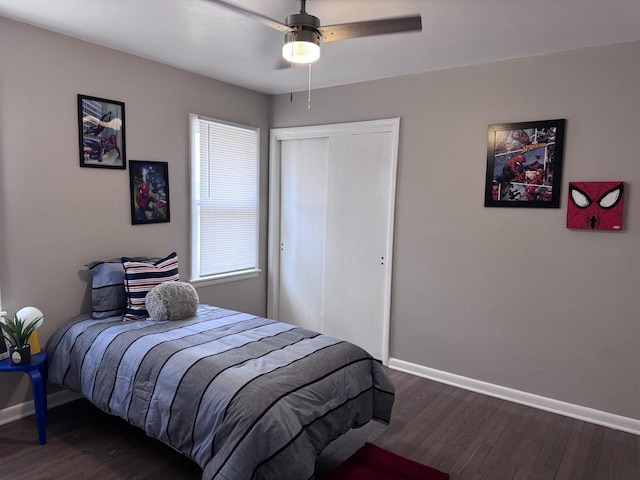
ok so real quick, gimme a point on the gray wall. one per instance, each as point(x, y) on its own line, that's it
point(55, 216)
point(509, 296)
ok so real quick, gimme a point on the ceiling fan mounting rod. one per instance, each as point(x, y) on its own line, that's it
point(302, 20)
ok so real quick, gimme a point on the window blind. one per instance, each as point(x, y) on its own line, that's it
point(227, 198)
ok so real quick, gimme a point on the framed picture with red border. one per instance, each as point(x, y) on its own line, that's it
point(595, 205)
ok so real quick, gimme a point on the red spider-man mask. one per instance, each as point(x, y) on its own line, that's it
point(595, 205)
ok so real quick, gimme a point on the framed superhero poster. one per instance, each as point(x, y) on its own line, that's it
point(595, 205)
point(149, 186)
point(524, 164)
point(101, 133)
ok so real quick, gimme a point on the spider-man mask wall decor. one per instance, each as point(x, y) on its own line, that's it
point(595, 205)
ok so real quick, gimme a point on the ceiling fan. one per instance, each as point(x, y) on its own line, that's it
point(303, 32)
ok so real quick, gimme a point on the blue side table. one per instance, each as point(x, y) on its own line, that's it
point(37, 370)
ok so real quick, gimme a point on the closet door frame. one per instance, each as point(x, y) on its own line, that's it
point(277, 135)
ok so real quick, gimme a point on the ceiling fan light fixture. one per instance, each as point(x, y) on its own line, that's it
point(301, 46)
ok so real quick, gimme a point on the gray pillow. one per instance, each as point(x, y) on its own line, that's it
point(172, 301)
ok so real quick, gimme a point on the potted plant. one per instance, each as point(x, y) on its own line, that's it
point(17, 333)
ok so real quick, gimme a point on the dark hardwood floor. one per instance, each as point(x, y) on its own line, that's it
point(468, 435)
point(472, 436)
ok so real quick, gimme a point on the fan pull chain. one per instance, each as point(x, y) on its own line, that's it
point(309, 96)
point(291, 86)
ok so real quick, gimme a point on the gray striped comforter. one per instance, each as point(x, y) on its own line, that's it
point(245, 397)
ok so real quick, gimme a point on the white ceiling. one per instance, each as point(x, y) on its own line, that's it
point(202, 37)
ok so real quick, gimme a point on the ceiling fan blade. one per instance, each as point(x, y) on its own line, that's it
point(342, 31)
point(269, 22)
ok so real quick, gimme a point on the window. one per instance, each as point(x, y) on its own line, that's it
point(224, 200)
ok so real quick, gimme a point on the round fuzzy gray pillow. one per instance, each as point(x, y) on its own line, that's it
point(172, 301)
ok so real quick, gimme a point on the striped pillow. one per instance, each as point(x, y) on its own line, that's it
point(140, 278)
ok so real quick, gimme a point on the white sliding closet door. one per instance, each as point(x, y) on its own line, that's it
point(331, 229)
point(357, 226)
point(303, 210)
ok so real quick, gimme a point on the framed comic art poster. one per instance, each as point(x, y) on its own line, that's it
point(149, 184)
point(101, 132)
point(524, 164)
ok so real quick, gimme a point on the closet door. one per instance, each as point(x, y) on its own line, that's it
point(303, 211)
point(358, 190)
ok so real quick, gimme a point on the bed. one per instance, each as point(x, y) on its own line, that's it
point(245, 397)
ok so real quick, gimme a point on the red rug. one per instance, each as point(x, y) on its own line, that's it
point(375, 463)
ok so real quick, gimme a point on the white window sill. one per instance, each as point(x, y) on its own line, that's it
point(225, 277)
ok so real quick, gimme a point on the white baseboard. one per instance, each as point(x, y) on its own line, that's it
point(610, 420)
point(24, 409)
